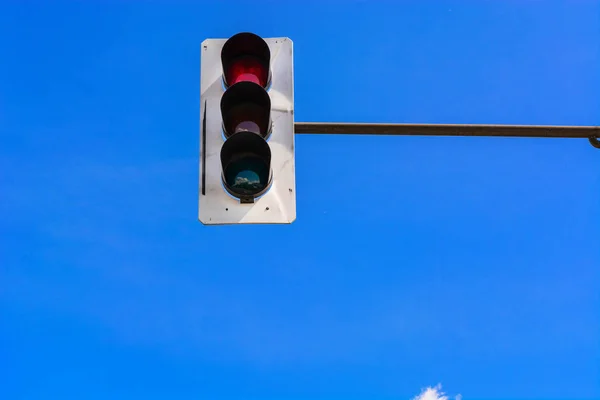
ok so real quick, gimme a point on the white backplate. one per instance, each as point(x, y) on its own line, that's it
point(278, 205)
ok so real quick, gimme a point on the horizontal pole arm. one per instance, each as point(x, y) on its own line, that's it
point(537, 131)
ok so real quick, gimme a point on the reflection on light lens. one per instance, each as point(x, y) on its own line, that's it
point(247, 176)
point(247, 126)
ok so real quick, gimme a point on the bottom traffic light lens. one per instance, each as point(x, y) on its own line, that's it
point(247, 176)
point(246, 165)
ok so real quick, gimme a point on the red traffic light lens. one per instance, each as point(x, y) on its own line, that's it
point(247, 69)
point(246, 57)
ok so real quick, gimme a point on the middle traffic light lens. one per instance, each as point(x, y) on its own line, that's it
point(246, 116)
point(247, 176)
point(246, 106)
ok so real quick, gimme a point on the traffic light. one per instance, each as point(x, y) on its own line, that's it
point(247, 171)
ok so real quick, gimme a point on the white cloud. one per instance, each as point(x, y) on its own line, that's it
point(434, 393)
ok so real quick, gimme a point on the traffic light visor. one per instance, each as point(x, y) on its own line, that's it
point(246, 57)
point(246, 106)
point(246, 165)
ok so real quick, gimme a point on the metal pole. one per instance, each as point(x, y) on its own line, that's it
point(534, 131)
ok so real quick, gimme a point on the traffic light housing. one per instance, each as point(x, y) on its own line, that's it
point(247, 171)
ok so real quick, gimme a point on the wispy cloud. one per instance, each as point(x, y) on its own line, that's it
point(434, 393)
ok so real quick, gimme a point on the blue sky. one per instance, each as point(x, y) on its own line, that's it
point(470, 262)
